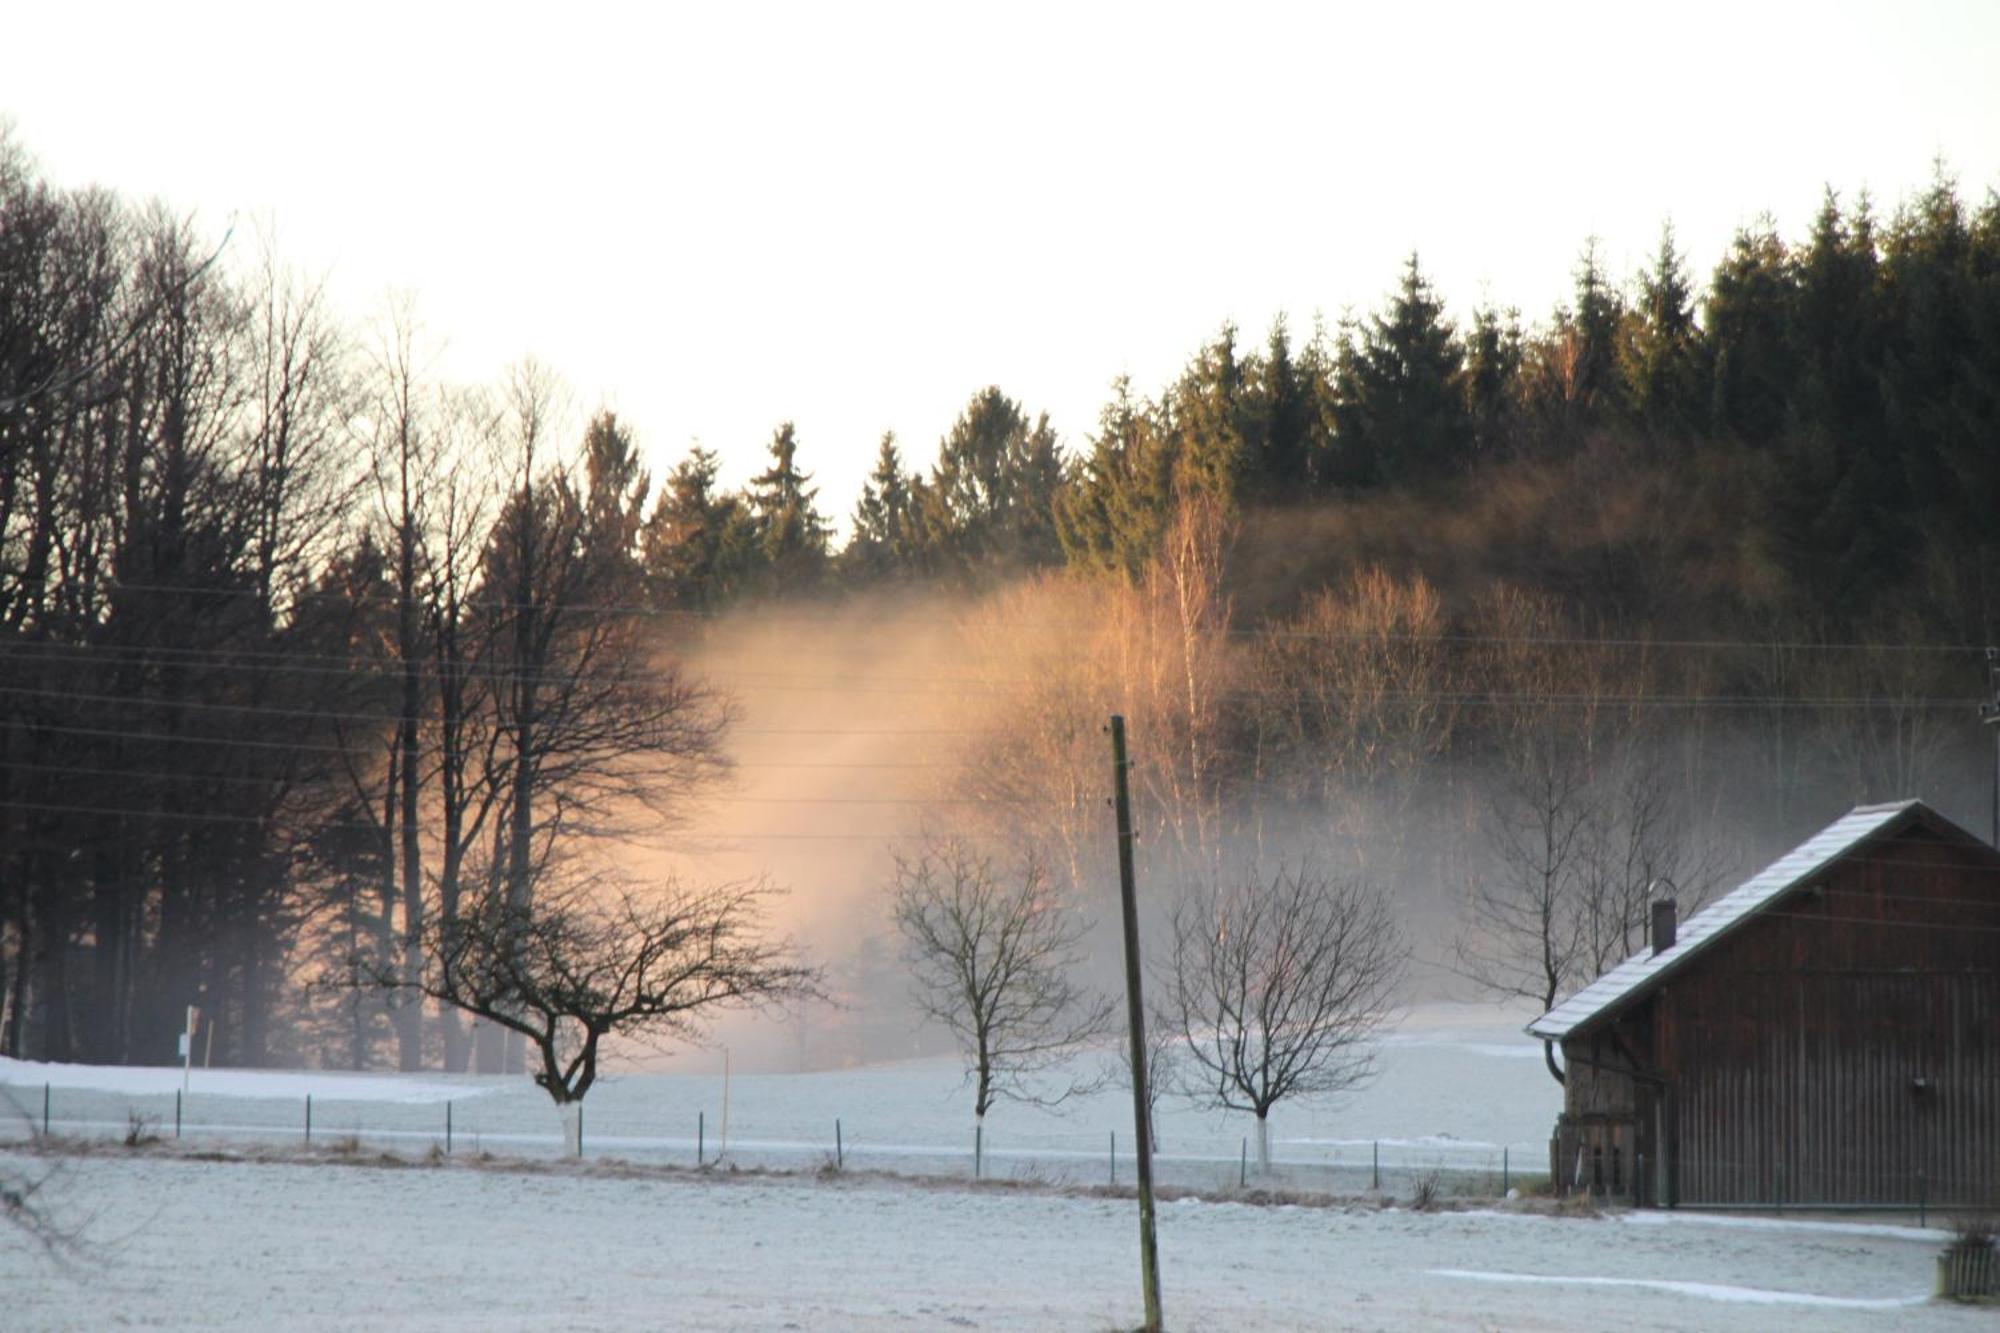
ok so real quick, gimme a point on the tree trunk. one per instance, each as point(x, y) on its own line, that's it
point(489, 1047)
point(572, 1121)
point(457, 1040)
point(1263, 1143)
point(521, 811)
point(410, 1018)
point(19, 994)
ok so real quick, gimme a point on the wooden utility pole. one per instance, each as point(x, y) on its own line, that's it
point(1989, 713)
point(1142, 1115)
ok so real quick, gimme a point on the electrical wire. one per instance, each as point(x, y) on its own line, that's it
point(1080, 626)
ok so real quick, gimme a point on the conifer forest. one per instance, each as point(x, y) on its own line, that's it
point(307, 655)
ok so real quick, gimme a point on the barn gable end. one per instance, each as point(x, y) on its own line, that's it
point(1827, 1034)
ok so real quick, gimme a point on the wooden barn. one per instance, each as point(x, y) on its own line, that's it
point(1827, 1034)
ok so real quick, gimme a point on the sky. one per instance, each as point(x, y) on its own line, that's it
point(713, 218)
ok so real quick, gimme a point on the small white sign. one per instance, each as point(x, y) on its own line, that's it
point(186, 1044)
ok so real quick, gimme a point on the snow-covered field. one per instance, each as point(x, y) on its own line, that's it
point(241, 1245)
point(1460, 1090)
point(174, 1238)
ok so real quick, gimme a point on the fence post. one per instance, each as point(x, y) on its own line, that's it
point(1243, 1166)
point(1922, 1218)
point(1114, 1159)
point(1375, 1167)
point(700, 1136)
point(839, 1148)
point(1504, 1179)
point(447, 1128)
point(579, 1129)
point(45, 1110)
point(177, 1112)
point(309, 1117)
point(978, 1150)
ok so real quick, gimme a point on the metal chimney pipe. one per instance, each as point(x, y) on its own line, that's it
point(1666, 923)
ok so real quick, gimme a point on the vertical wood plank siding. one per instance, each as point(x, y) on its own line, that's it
point(1841, 1047)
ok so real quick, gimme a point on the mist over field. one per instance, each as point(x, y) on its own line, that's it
point(314, 658)
point(782, 665)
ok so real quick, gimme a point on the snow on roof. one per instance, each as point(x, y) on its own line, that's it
point(1718, 918)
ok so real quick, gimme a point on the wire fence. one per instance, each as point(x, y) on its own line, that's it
point(1076, 1154)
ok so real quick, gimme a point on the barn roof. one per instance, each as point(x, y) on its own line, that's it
point(1646, 968)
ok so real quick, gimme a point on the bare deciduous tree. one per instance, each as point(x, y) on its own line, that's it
point(1163, 1067)
point(1524, 936)
point(1553, 709)
point(1278, 989)
point(586, 962)
point(1575, 859)
point(1358, 700)
point(992, 960)
point(599, 735)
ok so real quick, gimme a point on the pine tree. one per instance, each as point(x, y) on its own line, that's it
point(990, 502)
point(1402, 411)
point(1600, 313)
point(883, 540)
point(1837, 329)
point(1114, 509)
point(1941, 386)
point(1749, 331)
point(615, 493)
point(699, 547)
point(790, 530)
point(1493, 353)
point(1318, 394)
point(1661, 358)
point(1832, 505)
point(1213, 420)
point(1282, 414)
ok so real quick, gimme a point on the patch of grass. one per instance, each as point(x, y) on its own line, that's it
point(141, 1131)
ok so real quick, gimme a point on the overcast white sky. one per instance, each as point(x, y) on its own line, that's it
point(716, 217)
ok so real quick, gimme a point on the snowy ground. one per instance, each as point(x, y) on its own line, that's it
point(177, 1242)
point(1460, 1091)
point(265, 1239)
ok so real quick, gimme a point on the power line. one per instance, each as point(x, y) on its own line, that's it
point(718, 798)
point(387, 717)
point(371, 749)
point(262, 821)
point(1078, 626)
point(999, 688)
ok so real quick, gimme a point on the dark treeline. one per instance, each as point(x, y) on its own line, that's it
point(299, 647)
